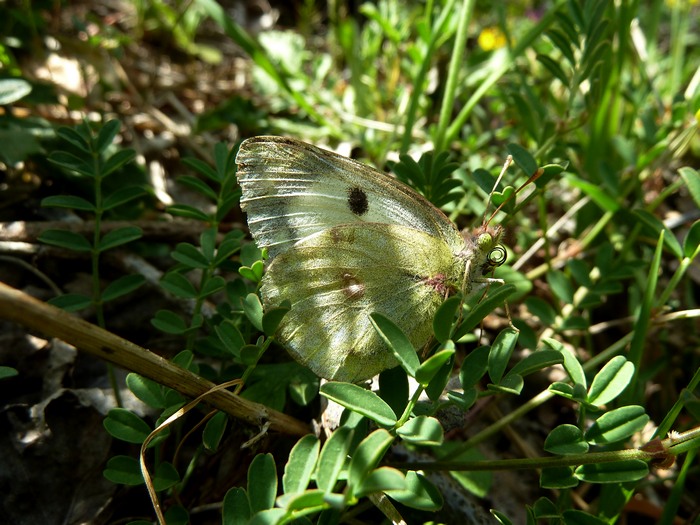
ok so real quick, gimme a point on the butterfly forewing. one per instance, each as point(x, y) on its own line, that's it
point(292, 190)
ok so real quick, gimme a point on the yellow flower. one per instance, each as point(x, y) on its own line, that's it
point(491, 38)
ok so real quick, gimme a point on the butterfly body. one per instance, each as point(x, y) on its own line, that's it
point(345, 241)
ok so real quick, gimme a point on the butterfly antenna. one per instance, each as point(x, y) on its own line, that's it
point(506, 165)
point(532, 178)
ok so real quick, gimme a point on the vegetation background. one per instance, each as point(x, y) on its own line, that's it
point(117, 204)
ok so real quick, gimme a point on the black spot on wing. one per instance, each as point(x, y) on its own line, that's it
point(357, 201)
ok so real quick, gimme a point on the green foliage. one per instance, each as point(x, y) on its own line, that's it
point(94, 161)
point(593, 96)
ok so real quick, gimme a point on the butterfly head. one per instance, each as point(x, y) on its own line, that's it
point(483, 250)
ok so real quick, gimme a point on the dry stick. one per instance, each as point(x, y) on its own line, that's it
point(26, 310)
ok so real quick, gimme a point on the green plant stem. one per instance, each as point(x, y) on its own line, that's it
point(456, 64)
point(419, 81)
point(500, 69)
point(686, 442)
point(532, 463)
point(641, 325)
point(672, 504)
point(673, 282)
point(409, 407)
point(95, 260)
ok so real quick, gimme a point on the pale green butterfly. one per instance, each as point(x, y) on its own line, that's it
point(345, 240)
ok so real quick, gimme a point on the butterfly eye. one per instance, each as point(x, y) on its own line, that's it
point(497, 256)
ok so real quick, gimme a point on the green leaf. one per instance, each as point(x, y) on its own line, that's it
point(381, 480)
point(300, 465)
point(579, 517)
point(201, 167)
point(253, 273)
point(165, 476)
point(523, 159)
point(474, 367)
point(125, 425)
point(357, 399)
point(199, 186)
point(68, 201)
point(7, 371)
point(106, 134)
point(169, 322)
point(431, 366)
point(123, 470)
point(74, 137)
point(313, 499)
point(566, 439)
point(252, 308)
point(262, 482)
point(176, 515)
point(691, 244)
point(422, 430)
point(500, 353)
point(188, 212)
point(230, 244)
point(610, 381)
point(367, 455)
point(537, 361)
point(122, 196)
point(190, 256)
point(510, 384)
point(444, 318)
point(495, 298)
point(614, 472)
point(554, 68)
point(70, 162)
point(207, 243)
point(71, 302)
point(558, 478)
point(419, 494)
point(542, 309)
point(561, 286)
point(184, 359)
point(272, 319)
point(178, 285)
point(571, 364)
point(146, 390)
point(397, 341)
point(442, 375)
point(122, 286)
point(332, 458)
point(656, 226)
point(118, 237)
point(596, 193)
point(212, 285)
point(116, 161)
point(236, 507)
point(230, 336)
point(617, 425)
point(65, 239)
point(393, 388)
point(250, 354)
point(214, 431)
point(268, 517)
point(691, 178)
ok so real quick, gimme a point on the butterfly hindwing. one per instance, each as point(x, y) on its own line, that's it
point(337, 277)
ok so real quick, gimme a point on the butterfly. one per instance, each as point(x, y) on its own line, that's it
point(345, 240)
